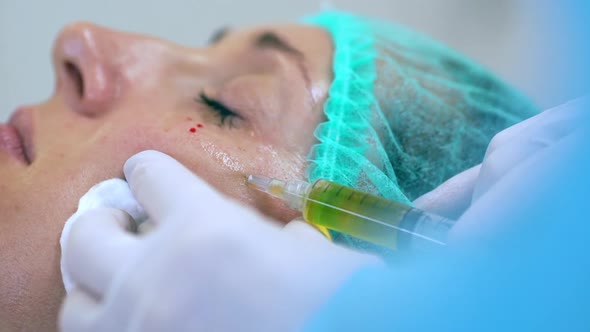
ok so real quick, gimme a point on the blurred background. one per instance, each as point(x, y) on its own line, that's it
point(530, 45)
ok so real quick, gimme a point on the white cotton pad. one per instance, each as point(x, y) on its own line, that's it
point(113, 193)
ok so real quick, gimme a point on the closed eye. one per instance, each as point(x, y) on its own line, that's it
point(226, 115)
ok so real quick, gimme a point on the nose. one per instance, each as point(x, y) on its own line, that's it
point(90, 64)
point(85, 76)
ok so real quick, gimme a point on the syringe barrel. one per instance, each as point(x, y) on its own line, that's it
point(373, 218)
point(427, 230)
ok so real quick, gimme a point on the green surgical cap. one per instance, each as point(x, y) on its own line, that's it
point(404, 113)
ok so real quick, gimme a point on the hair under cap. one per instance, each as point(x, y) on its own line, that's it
point(404, 113)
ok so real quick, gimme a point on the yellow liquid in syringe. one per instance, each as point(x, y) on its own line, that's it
point(345, 210)
point(372, 218)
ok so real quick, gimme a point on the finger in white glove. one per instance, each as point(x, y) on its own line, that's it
point(98, 246)
point(519, 192)
point(451, 198)
point(209, 264)
point(523, 140)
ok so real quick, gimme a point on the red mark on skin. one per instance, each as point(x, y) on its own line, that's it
point(199, 125)
point(188, 118)
point(193, 130)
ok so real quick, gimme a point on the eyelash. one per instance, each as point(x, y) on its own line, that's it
point(225, 113)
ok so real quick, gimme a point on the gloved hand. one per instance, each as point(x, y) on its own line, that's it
point(507, 150)
point(517, 261)
point(209, 264)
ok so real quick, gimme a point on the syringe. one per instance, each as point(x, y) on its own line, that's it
point(372, 218)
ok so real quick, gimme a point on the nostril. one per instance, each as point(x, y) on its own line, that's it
point(76, 76)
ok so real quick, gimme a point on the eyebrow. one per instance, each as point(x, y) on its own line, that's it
point(218, 35)
point(270, 40)
point(267, 39)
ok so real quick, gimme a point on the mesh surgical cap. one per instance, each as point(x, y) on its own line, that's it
point(404, 113)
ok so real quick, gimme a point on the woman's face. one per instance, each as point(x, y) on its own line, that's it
point(247, 104)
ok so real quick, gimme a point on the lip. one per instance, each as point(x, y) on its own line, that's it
point(16, 136)
point(11, 142)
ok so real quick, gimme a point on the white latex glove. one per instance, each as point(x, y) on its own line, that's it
point(209, 264)
point(507, 150)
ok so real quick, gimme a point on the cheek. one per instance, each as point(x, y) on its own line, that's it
point(132, 137)
point(280, 165)
point(223, 157)
point(225, 162)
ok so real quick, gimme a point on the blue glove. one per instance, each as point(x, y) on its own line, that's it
point(518, 257)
